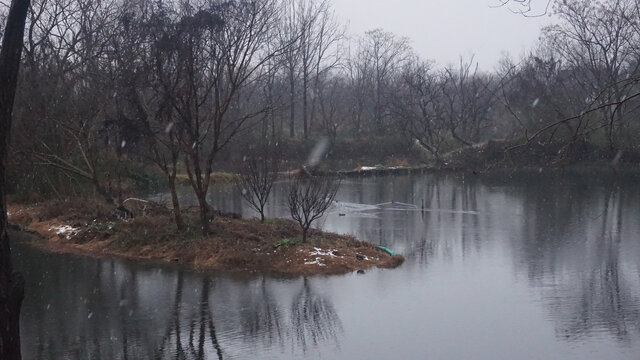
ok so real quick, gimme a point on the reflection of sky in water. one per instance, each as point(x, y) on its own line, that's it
point(524, 268)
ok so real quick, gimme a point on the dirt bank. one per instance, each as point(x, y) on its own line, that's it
point(234, 245)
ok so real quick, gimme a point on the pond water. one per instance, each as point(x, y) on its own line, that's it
point(535, 266)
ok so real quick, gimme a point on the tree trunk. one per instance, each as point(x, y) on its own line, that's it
point(11, 284)
point(292, 106)
point(204, 213)
point(177, 215)
point(305, 105)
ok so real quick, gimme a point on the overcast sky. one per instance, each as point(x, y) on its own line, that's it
point(442, 30)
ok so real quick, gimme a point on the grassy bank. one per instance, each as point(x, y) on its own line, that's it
point(244, 245)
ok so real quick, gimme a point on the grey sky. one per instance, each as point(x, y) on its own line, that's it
point(443, 30)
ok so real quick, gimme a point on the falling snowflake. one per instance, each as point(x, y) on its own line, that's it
point(535, 102)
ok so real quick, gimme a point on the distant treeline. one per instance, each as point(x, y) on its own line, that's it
point(110, 89)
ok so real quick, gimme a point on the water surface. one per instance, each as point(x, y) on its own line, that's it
point(535, 266)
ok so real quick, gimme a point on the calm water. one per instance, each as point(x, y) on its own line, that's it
point(520, 267)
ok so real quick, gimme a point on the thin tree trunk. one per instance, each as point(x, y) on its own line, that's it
point(11, 284)
point(292, 106)
point(204, 213)
point(177, 215)
point(305, 115)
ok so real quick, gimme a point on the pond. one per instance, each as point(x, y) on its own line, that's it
point(527, 266)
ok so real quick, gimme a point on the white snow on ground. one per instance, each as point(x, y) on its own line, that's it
point(318, 253)
point(369, 168)
point(64, 230)
point(317, 261)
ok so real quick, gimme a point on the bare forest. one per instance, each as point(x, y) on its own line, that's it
point(110, 90)
point(107, 86)
point(121, 98)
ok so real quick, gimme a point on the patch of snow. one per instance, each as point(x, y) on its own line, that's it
point(367, 168)
point(317, 261)
point(64, 230)
point(319, 252)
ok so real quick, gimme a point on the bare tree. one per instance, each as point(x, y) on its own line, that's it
point(212, 56)
point(289, 37)
point(257, 176)
point(529, 8)
point(418, 104)
point(319, 53)
point(468, 97)
point(597, 40)
point(334, 104)
point(309, 198)
point(386, 54)
point(11, 284)
point(358, 73)
point(67, 41)
point(140, 95)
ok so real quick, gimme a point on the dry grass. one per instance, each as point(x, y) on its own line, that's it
point(233, 245)
point(397, 161)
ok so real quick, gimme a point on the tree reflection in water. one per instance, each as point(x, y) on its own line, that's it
point(202, 332)
point(108, 309)
point(575, 244)
point(260, 315)
point(313, 318)
point(601, 296)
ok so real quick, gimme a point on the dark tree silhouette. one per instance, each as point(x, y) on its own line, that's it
point(11, 284)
